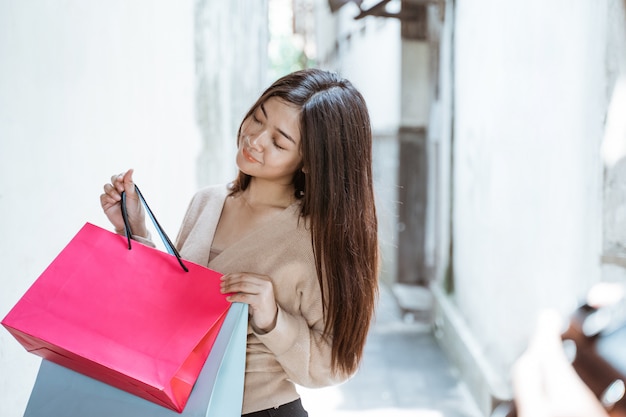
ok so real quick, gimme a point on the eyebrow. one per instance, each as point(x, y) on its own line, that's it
point(282, 132)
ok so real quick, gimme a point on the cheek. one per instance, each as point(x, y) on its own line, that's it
point(288, 163)
point(295, 161)
point(295, 167)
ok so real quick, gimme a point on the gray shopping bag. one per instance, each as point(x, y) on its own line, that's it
point(218, 392)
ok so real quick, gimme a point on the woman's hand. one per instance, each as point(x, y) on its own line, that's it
point(544, 381)
point(258, 292)
point(111, 202)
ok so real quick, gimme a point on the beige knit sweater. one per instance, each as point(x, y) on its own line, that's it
point(294, 352)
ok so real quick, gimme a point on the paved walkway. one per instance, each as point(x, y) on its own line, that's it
point(404, 373)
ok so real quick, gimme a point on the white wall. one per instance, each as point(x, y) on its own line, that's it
point(87, 90)
point(531, 95)
point(367, 52)
point(371, 61)
point(231, 72)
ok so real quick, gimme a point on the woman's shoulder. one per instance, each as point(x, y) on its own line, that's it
point(207, 198)
point(211, 192)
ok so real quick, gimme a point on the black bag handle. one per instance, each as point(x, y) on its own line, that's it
point(166, 240)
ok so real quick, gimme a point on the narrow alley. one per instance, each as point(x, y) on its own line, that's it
point(404, 373)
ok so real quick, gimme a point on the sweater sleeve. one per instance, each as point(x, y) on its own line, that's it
point(189, 220)
point(299, 345)
point(196, 233)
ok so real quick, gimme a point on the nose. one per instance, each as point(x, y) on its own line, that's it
point(256, 141)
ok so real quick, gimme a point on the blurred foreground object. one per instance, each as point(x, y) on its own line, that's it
point(580, 372)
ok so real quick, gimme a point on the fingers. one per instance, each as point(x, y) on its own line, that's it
point(529, 372)
point(110, 197)
point(119, 183)
point(546, 340)
point(528, 386)
point(128, 184)
point(605, 294)
point(245, 284)
point(544, 382)
point(124, 182)
point(110, 201)
point(258, 292)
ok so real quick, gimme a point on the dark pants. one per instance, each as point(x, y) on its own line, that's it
point(292, 409)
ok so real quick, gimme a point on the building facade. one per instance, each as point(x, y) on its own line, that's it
point(520, 210)
point(90, 90)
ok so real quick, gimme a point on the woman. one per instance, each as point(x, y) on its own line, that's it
point(295, 236)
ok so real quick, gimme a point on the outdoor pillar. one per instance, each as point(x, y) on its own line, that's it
point(412, 137)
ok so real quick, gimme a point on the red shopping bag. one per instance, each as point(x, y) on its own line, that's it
point(133, 319)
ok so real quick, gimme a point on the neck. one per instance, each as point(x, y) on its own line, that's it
point(270, 194)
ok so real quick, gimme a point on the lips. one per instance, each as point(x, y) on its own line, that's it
point(247, 155)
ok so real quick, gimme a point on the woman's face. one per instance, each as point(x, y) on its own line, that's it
point(269, 146)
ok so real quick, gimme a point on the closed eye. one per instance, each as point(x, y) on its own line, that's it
point(282, 132)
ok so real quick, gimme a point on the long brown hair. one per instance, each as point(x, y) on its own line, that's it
point(336, 191)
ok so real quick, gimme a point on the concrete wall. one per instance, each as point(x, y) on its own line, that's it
point(231, 69)
point(521, 208)
point(529, 121)
point(89, 90)
point(614, 149)
point(367, 52)
point(440, 140)
point(531, 86)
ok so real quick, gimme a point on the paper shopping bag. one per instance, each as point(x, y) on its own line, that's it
point(133, 319)
point(60, 392)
